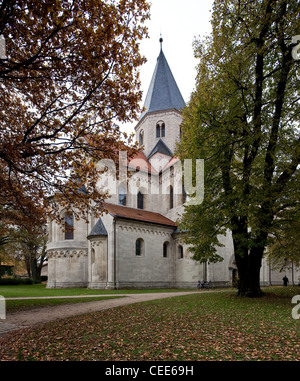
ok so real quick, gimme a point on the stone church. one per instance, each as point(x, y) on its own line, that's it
point(136, 243)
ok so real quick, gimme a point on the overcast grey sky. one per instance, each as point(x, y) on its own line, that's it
point(179, 22)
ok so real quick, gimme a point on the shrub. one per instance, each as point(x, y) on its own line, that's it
point(14, 281)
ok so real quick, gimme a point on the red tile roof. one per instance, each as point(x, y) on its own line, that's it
point(140, 161)
point(138, 215)
point(173, 161)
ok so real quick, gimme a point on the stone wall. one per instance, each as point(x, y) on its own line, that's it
point(67, 268)
point(172, 120)
point(151, 267)
point(67, 259)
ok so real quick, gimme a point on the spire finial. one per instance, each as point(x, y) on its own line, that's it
point(161, 41)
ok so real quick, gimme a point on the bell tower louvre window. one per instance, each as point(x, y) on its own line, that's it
point(160, 129)
point(157, 131)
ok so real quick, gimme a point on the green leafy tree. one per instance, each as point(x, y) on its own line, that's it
point(26, 246)
point(243, 120)
point(284, 248)
point(31, 247)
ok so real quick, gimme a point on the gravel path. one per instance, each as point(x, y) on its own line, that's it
point(27, 319)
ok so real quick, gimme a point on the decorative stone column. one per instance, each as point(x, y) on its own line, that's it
point(97, 263)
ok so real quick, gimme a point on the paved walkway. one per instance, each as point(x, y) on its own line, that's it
point(31, 318)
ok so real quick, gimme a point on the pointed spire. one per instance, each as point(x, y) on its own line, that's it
point(163, 93)
point(98, 230)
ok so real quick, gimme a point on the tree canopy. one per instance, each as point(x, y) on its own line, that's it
point(243, 120)
point(69, 75)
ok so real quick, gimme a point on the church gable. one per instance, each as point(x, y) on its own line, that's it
point(162, 148)
point(159, 161)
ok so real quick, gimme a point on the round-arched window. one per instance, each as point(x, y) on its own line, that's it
point(139, 247)
point(160, 129)
point(141, 138)
point(180, 252)
point(122, 195)
point(166, 249)
point(69, 226)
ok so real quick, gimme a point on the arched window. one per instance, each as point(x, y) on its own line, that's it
point(49, 230)
point(93, 256)
point(140, 200)
point(180, 252)
point(166, 249)
point(69, 226)
point(171, 197)
point(122, 196)
point(160, 129)
point(141, 138)
point(139, 247)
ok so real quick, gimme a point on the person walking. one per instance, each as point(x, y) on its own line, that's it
point(285, 280)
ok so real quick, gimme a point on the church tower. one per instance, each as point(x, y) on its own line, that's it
point(159, 126)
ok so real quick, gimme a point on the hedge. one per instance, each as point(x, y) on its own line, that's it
point(14, 281)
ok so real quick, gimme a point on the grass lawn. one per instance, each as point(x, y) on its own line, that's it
point(208, 326)
point(36, 290)
point(40, 290)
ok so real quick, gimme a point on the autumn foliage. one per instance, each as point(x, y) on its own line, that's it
point(69, 75)
point(208, 326)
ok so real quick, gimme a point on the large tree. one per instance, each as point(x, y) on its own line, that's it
point(25, 245)
point(30, 246)
point(69, 75)
point(243, 119)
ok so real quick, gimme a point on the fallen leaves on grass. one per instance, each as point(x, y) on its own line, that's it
point(196, 327)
